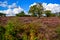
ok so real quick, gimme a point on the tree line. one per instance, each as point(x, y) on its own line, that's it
point(2, 14)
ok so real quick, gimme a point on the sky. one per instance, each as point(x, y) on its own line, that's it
point(12, 7)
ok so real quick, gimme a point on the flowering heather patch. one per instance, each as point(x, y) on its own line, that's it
point(30, 28)
point(51, 21)
point(3, 20)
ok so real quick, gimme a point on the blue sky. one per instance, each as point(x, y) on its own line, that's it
point(24, 4)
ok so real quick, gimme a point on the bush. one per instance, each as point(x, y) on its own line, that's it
point(17, 30)
point(58, 32)
point(49, 14)
point(21, 14)
point(2, 32)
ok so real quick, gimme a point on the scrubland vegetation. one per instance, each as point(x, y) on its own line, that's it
point(15, 29)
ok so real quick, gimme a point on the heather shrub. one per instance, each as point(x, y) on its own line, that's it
point(58, 32)
point(15, 29)
point(2, 31)
point(35, 28)
point(9, 28)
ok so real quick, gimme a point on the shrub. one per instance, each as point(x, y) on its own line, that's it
point(58, 32)
point(17, 30)
point(2, 31)
point(21, 14)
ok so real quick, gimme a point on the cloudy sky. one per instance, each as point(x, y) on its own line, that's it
point(12, 7)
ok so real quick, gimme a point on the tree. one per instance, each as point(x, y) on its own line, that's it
point(2, 14)
point(21, 14)
point(49, 14)
point(59, 14)
point(36, 10)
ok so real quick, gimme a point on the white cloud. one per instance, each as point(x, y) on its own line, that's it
point(12, 6)
point(17, 10)
point(12, 12)
point(53, 7)
point(3, 4)
point(32, 4)
point(9, 12)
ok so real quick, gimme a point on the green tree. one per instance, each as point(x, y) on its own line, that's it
point(36, 10)
point(49, 14)
point(58, 14)
point(21, 14)
point(2, 14)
